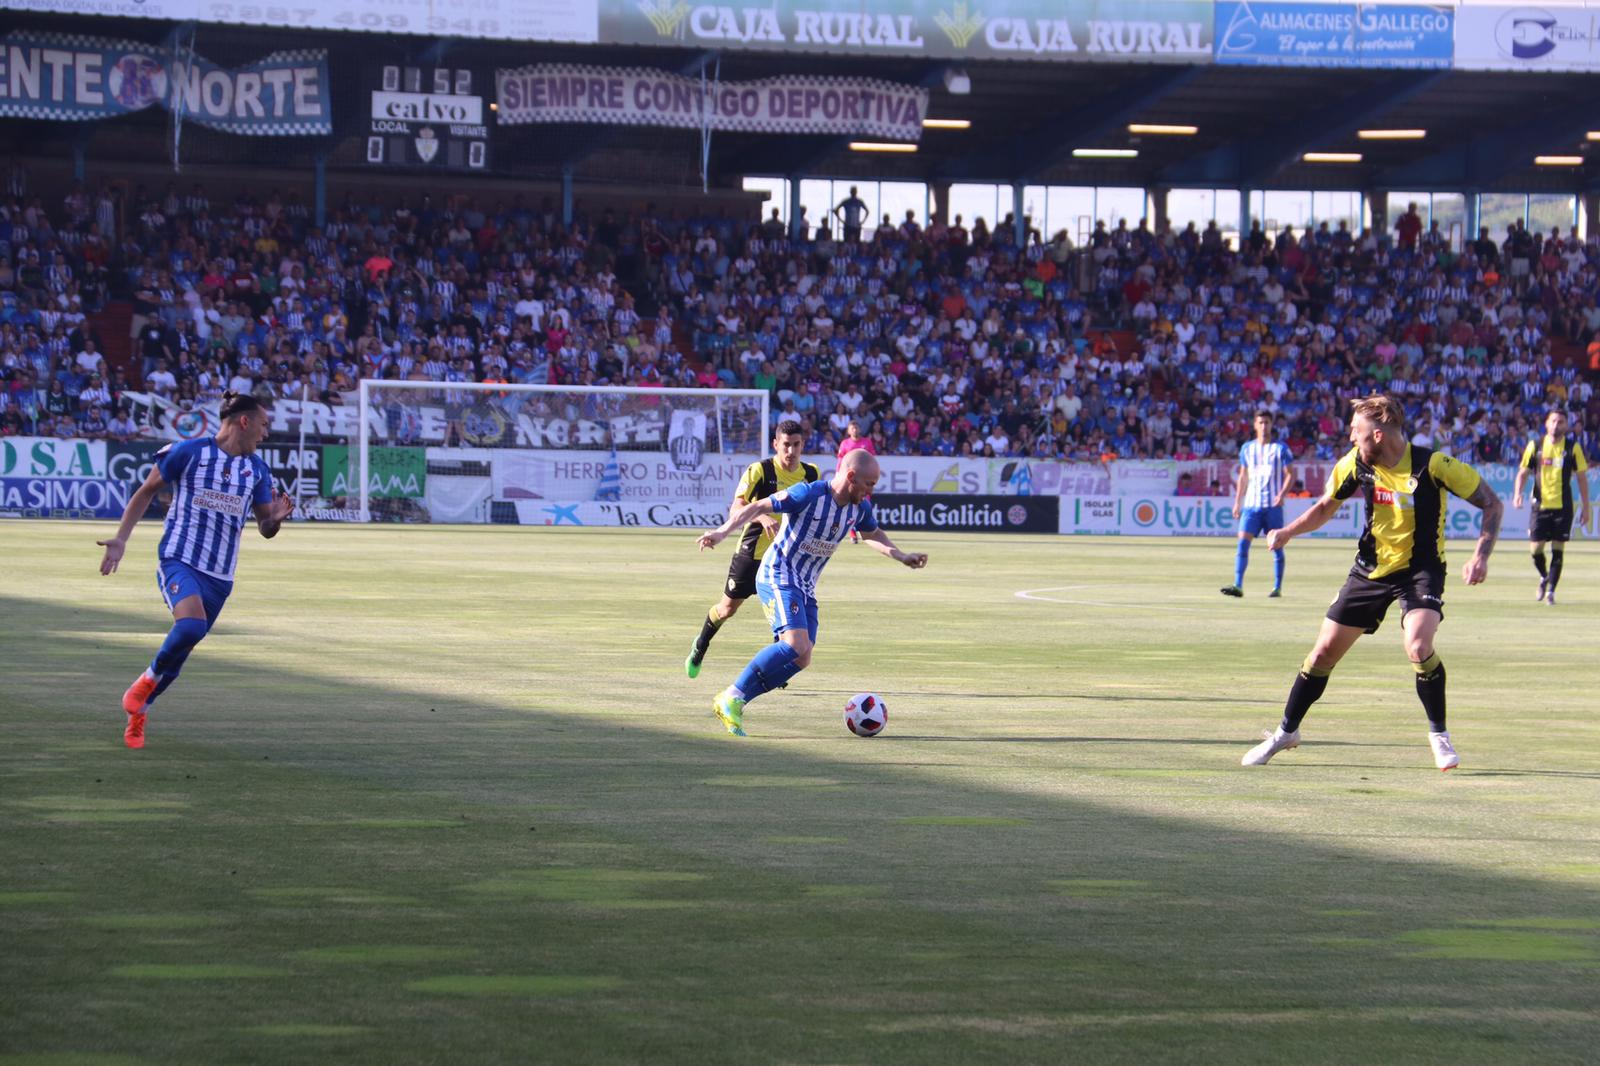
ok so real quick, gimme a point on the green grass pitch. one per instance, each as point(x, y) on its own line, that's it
point(445, 795)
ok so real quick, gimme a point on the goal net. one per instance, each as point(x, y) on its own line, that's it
point(426, 451)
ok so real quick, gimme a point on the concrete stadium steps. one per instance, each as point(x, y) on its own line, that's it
point(111, 326)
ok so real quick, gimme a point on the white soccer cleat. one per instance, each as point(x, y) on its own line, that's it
point(1550, 598)
point(1540, 598)
point(1277, 740)
point(1444, 753)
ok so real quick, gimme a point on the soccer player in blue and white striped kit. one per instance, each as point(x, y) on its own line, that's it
point(215, 482)
point(817, 517)
point(1266, 471)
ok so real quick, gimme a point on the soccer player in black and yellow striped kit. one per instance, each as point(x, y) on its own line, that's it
point(761, 479)
point(1400, 557)
point(1552, 461)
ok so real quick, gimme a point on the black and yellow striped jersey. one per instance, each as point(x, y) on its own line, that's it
point(1405, 507)
point(761, 479)
point(1553, 463)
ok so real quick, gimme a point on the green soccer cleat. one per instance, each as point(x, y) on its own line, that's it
point(731, 711)
point(691, 665)
point(1232, 590)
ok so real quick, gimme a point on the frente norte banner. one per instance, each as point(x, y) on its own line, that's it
point(72, 78)
point(561, 92)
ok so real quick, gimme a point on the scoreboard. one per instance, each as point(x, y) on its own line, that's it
point(427, 117)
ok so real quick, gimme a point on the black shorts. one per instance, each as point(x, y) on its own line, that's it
point(1554, 524)
point(1363, 602)
point(742, 577)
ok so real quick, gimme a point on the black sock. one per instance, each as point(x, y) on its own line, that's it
point(707, 631)
point(1308, 689)
point(1538, 564)
point(1430, 690)
point(1556, 554)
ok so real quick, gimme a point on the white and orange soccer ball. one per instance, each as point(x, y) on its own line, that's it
point(866, 714)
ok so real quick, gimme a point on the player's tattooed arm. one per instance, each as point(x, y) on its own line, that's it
point(1485, 499)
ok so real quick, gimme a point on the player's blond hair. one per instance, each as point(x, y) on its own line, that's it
point(1382, 409)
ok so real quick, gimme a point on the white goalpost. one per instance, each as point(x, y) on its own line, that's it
point(474, 451)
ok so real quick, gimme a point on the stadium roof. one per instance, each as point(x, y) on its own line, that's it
point(1254, 124)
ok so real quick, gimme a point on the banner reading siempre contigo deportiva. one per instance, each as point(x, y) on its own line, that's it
point(69, 78)
point(559, 92)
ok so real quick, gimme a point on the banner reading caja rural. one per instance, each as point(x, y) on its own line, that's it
point(1073, 31)
point(560, 92)
point(72, 78)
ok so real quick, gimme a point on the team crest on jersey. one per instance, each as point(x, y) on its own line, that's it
point(173, 588)
point(1411, 485)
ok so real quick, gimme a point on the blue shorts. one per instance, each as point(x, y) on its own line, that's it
point(788, 608)
point(178, 581)
point(1258, 521)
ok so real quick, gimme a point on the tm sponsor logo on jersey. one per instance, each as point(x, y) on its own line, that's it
point(818, 546)
point(225, 502)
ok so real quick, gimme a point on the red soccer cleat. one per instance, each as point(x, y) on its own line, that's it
point(133, 736)
point(138, 694)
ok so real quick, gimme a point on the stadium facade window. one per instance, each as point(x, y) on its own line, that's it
point(1449, 209)
point(1228, 201)
point(816, 196)
point(1335, 207)
point(1547, 211)
point(895, 198)
point(1113, 203)
point(777, 190)
point(1036, 209)
point(1070, 208)
point(1497, 210)
point(973, 202)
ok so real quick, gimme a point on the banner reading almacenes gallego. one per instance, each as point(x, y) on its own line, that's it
point(633, 96)
point(1071, 31)
point(73, 78)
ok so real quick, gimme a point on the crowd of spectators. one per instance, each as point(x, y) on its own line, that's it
point(937, 339)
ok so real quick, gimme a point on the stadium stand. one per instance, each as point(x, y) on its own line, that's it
point(945, 340)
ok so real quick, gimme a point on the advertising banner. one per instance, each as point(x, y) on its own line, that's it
point(63, 497)
point(635, 515)
point(1527, 37)
point(562, 92)
point(392, 473)
point(1071, 31)
point(658, 477)
point(1276, 33)
point(967, 514)
point(576, 21)
point(69, 78)
point(1182, 516)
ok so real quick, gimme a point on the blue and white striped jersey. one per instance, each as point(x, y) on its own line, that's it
point(212, 496)
point(1267, 465)
point(813, 526)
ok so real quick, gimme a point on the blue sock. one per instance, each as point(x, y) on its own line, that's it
point(772, 666)
point(184, 635)
point(1241, 560)
point(1277, 569)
